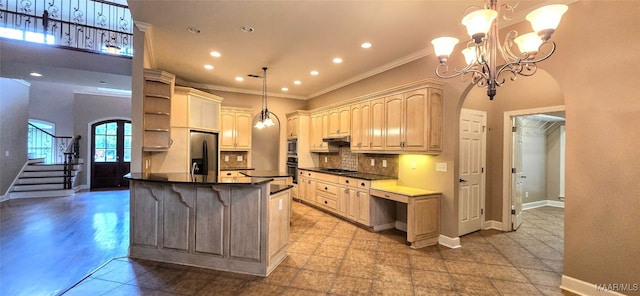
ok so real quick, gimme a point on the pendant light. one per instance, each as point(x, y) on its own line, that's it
point(265, 119)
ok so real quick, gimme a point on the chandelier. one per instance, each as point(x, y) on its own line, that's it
point(481, 52)
point(265, 119)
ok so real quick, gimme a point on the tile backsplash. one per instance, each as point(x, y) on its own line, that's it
point(361, 162)
point(233, 159)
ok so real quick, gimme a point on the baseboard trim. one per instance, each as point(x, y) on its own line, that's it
point(401, 226)
point(449, 242)
point(542, 203)
point(492, 224)
point(585, 288)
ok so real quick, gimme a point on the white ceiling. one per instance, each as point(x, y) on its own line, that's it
point(292, 38)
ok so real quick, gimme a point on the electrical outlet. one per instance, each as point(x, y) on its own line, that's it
point(373, 162)
point(226, 158)
point(441, 167)
point(526, 194)
point(280, 204)
point(6, 153)
point(325, 159)
point(384, 163)
point(413, 165)
point(239, 158)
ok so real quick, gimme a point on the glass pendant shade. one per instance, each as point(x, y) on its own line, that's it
point(528, 43)
point(545, 20)
point(470, 55)
point(259, 125)
point(443, 47)
point(479, 22)
point(268, 122)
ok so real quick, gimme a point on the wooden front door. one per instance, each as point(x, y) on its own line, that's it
point(110, 154)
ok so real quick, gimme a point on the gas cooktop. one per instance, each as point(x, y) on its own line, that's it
point(339, 171)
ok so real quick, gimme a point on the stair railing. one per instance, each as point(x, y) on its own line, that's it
point(66, 150)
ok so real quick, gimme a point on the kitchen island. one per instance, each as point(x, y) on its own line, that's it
point(238, 225)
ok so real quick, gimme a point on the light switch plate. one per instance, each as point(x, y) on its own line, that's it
point(384, 163)
point(413, 165)
point(226, 158)
point(373, 162)
point(239, 158)
point(441, 167)
point(325, 159)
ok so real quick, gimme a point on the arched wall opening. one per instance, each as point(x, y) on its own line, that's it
point(538, 91)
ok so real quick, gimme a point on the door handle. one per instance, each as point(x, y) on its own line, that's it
point(463, 181)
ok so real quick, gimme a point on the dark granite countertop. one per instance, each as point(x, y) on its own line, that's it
point(265, 174)
point(237, 169)
point(351, 174)
point(277, 188)
point(196, 180)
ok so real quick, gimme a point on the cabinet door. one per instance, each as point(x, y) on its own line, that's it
point(311, 190)
point(353, 205)
point(177, 204)
point(356, 128)
point(377, 124)
point(435, 120)
point(333, 128)
point(325, 128)
point(227, 128)
point(314, 131)
point(243, 131)
point(292, 127)
point(364, 209)
point(344, 116)
point(302, 187)
point(415, 121)
point(365, 126)
point(344, 194)
point(394, 122)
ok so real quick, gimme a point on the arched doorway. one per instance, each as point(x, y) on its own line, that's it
point(538, 91)
point(110, 154)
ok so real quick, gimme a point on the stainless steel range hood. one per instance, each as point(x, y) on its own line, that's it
point(342, 141)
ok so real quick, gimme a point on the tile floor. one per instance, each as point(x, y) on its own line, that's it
point(329, 256)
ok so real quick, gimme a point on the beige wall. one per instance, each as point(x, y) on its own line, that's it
point(596, 65)
point(14, 115)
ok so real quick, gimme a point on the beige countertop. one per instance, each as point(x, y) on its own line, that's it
point(402, 190)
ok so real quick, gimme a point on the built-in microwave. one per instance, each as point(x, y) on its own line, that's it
point(292, 147)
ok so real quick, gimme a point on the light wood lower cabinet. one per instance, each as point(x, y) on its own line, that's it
point(238, 228)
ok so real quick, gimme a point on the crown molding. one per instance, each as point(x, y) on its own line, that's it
point(196, 85)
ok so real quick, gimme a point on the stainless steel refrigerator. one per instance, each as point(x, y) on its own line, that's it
point(204, 154)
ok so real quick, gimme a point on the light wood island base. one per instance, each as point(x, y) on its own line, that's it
point(238, 227)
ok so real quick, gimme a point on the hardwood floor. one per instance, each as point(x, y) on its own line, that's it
point(49, 244)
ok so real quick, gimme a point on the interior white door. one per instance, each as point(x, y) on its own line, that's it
point(517, 174)
point(472, 162)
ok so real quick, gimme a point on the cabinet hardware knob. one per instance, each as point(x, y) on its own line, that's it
point(325, 202)
point(346, 181)
point(362, 184)
point(326, 188)
point(228, 174)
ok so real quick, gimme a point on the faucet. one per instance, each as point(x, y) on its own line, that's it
point(194, 167)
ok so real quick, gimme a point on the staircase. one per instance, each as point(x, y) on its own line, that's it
point(44, 180)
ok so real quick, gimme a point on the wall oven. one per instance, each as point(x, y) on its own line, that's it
point(292, 147)
point(292, 168)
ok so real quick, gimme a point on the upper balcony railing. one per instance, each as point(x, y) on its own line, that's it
point(89, 25)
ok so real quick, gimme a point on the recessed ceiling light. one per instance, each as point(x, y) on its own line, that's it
point(297, 82)
point(285, 89)
point(215, 54)
point(314, 73)
point(208, 67)
point(337, 60)
point(247, 29)
point(35, 74)
point(238, 78)
point(193, 30)
point(365, 45)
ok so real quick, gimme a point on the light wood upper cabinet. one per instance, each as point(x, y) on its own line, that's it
point(158, 91)
point(235, 129)
point(413, 121)
point(376, 125)
point(356, 128)
point(292, 126)
point(339, 124)
point(318, 130)
point(195, 109)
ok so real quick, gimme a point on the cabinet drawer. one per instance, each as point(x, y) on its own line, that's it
point(327, 188)
point(327, 177)
point(354, 182)
point(391, 196)
point(327, 201)
point(229, 174)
